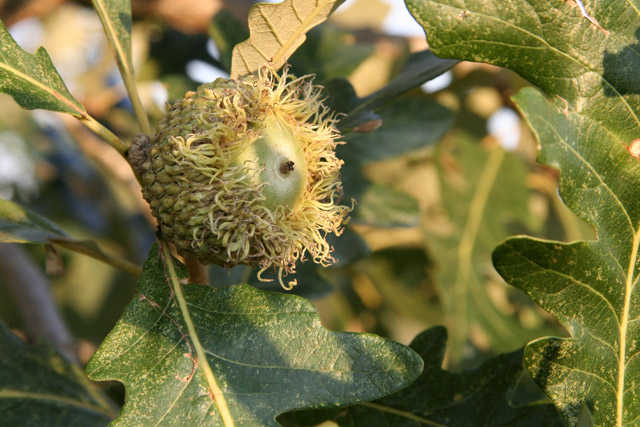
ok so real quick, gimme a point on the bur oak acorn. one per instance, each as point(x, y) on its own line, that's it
point(244, 172)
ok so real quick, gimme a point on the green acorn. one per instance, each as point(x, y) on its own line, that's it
point(244, 172)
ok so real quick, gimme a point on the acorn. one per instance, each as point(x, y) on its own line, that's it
point(244, 172)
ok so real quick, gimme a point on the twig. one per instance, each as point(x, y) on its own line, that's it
point(29, 289)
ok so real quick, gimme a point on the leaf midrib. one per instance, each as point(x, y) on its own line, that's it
point(633, 7)
point(624, 322)
point(215, 393)
point(624, 318)
point(113, 35)
point(485, 185)
point(40, 85)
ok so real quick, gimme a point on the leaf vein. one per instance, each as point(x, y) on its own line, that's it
point(596, 173)
point(552, 48)
point(636, 10)
point(50, 90)
point(132, 346)
point(571, 279)
point(273, 29)
point(295, 368)
point(252, 313)
point(178, 395)
point(579, 371)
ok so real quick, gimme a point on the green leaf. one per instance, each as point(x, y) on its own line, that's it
point(551, 44)
point(277, 30)
point(32, 80)
point(408, 124)
point(267, 352)
point(481, 397)
point(401, 275)
point(484, 195)
point(39, 387)
point(587, 60)
point(329, 53)
point(227, 31)
point(376, 204)
point(342, 98)
point(419, 68)
point(384, 206)
point(588, 286)
point(116, 21)
point(18, 225)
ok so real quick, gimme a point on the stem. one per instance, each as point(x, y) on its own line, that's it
point(216, 393)
point(138, 109)
point(81, 247)
point(104, 133)
point(123, 59)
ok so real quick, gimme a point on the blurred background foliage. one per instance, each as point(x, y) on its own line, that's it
point(449, 173)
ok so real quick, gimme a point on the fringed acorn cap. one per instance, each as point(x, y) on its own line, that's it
point(244, 172)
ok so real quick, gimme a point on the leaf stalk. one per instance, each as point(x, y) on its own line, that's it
point(104, 133)
point(118, 263)
point(136, 103)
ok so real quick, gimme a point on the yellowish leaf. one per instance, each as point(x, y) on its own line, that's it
point(276, 31)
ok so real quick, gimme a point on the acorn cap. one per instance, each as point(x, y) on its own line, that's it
point(245, 172)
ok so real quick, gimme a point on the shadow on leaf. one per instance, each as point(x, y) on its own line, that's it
point(621, 75)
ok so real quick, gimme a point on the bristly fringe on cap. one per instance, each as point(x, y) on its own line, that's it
point(214, 204)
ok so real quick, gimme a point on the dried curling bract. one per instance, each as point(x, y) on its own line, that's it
point(245, 172)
